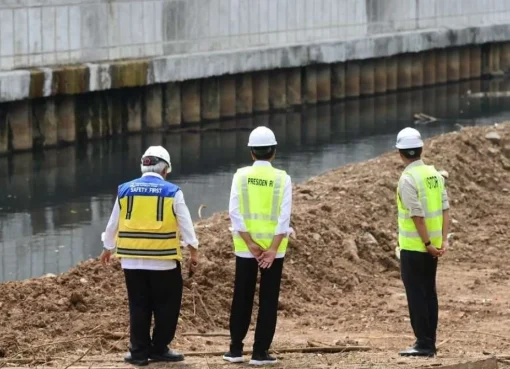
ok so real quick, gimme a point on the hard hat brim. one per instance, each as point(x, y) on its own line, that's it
point(262, 145)
point(405, 147)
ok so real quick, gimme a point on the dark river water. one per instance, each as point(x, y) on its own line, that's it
point(55, 204)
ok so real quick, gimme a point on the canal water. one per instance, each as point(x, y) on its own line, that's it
point(55, 204)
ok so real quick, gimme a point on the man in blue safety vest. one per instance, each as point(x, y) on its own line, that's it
point(148, 223)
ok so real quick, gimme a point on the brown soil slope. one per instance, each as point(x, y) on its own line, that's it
point(345, 223)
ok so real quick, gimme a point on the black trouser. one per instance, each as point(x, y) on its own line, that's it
point(158, 292)
point(242, 304)
point(419, 277)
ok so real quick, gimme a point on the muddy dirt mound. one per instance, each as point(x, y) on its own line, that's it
point(345, 223)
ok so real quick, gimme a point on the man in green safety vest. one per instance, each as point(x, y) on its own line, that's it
point(260, 208)
point(422, 237)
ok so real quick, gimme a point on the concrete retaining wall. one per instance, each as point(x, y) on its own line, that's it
point(36, 33)
point(49, 121)
point(176, 40)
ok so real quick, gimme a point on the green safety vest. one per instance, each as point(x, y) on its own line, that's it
point(430, 186)
point(260, 197)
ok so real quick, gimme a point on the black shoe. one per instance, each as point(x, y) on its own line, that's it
point(262, 359)
point(233, 357)
point(418, 351)
point(169, 356)
point(138, 362)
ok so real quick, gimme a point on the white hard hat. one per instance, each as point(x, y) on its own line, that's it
point(409, 138)
point(158, 152)
point(261, 136)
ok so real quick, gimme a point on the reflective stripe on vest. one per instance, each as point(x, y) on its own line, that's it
point(430, 187)
point(260, 195)
point(147, 224)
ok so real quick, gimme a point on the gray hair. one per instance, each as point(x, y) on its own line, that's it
point(158, 168)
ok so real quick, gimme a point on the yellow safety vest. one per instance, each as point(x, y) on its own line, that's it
point(260, 197)
point(147, 224)
point(430, 185)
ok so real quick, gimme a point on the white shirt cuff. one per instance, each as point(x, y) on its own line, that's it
point(193, 244)
point(286, 232)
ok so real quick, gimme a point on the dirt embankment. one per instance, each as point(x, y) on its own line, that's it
point(338, 266)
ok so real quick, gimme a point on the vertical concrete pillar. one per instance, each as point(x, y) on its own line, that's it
point(405, 75)
point(338, 81)
point(153, 106)
point(210, 99)
point(4, 129)
point(367, 77)
point(66, 126)
point(505, 57)
point(352, 79)
point(99, 122)
point(475, 62)
point(244, 90)
point(310, 84)
point(495, 58)
point(89, 115)
point(115, 104)
point(133, 103)
point(453, 63)
point(172, 103)
point(465, 61)
point(381, 77)
point(261, 91)
point(45, 120)
point(323, 82)
point(405, 78)
point(84, 105)
point(228, 96)
point(429, 68)
point(190, 102)
point(417, 70)
point(20, 123)
point(441, 66)
point(392, 73)
point(113, 125)
point(278, 89)
point(294, 84)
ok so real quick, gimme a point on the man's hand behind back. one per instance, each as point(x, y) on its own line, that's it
point(255, 249)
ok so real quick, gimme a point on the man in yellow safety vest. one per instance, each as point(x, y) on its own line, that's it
point(148, 224)
point(422, 236)
point(260, 209)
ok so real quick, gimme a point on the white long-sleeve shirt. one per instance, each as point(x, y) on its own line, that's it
point(184, 222)
point(237, 219)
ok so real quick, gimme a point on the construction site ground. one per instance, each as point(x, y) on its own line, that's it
point(341, 284)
